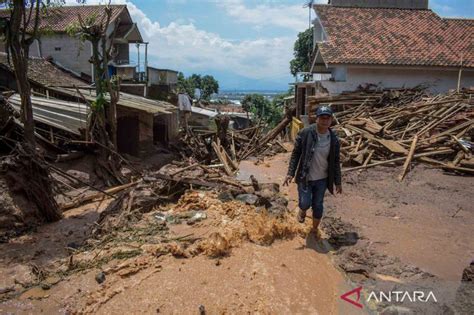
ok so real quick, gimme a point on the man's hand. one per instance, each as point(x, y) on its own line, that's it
point(288, 180)
point(339, 189)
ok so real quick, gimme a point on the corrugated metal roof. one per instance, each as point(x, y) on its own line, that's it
point(129, 101)
point(202, 111)
point(68, 116)
point(238, 114)
point(72, 116)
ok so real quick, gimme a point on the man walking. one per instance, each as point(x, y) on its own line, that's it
point(315, 161)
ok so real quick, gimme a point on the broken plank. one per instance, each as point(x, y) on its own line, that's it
point(409, 158)
point(222, 158)
point(392, 145)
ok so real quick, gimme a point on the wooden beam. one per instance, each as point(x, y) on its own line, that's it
point(409, 158)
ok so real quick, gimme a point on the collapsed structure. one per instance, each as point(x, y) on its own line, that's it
point(60, 103)
point(388, 44)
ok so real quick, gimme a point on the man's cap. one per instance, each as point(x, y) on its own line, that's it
point(324, 110)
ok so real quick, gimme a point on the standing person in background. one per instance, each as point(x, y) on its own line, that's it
point(315, 165)
point(184, 104)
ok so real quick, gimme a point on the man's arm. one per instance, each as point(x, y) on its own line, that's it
point(294, 159)
point(337, 170)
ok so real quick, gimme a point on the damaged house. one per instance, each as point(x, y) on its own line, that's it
point(60, 105)
point(388, 44)
point(73, 55)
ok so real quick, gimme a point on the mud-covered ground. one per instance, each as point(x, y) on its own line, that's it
point(207, 253)
point(380, 235)
point(386, 235)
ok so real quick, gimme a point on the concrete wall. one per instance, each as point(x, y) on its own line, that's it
point(159, 77)
point(126, 73)
point(69, 52)
point(440, 81)
point(135, 89)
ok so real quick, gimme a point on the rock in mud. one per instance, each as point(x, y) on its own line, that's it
point(198, 216)
point(281, 200)
point(247, 198)
point(202, 310)
point(273, 187)
point(100, 277)
point(277, 209)
point(468, 273)
point(225, 196)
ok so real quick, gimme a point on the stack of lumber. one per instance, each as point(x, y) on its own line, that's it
point(404, 126)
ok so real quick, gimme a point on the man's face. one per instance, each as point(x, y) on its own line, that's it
point(324, 121)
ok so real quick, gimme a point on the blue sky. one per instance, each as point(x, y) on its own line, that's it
point(244, 43)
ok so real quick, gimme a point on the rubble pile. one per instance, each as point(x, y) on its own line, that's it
point(229, 147)
point(401, 126)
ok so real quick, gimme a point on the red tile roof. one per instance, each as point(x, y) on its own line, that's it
point(58, 18)
point(382, 36)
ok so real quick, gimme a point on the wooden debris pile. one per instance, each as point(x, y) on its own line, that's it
point(228, 147)
point(402, 126)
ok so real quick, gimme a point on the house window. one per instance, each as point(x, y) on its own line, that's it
point(57, 48)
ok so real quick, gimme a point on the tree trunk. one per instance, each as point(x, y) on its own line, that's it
point(20, 63)
point(28, 169)
point(108, 163)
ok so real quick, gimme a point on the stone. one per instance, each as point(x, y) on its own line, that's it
point(198, 216)
point(281, 201)
point(45, 286)
point(273, 187)
point(468, 273)
point(225, 196)
point(100, 277)
point(249, 190)
point(202, 310)
point(264, 201)
point(265, 193)
point(249, 199)
point(277, 209)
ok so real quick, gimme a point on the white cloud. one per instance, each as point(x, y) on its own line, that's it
point(185, 47)
point(294, 17)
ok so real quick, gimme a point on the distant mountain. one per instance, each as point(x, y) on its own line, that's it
point(229, 81)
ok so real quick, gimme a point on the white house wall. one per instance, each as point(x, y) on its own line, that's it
point(73, 53)
point(440, 81)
